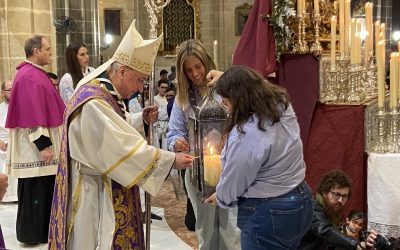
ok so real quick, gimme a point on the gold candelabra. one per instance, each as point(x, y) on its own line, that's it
point(301, 46)
point(316, 47)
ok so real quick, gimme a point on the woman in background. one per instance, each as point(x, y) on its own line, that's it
point(77, 59)
point(215, 227)
point(262, 160)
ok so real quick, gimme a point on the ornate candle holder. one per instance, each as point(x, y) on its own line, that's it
point(316, 47)
point(380, 144)
point(301, 46)
point(393, 137)
point(343, 76)
point(330, 93)
point(304, 46)
point(370, 79)
point(355, 81)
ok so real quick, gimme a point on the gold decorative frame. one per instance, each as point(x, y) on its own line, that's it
point(241, 14)
point(195, 4)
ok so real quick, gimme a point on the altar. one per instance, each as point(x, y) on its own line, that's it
point(384, 193)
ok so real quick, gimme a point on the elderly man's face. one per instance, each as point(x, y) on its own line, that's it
point(132, 82)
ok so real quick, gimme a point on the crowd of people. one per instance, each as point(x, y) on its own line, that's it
point(77, 150)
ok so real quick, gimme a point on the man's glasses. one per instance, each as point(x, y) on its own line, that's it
point(7, 90)
point(337, 196)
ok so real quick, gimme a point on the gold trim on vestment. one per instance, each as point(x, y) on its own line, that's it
point(124, 158)
point(147, 169)
point(75, 197)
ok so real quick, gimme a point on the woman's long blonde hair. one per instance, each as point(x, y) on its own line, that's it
point(188, 48)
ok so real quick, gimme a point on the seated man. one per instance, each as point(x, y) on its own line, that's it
point(332, 194)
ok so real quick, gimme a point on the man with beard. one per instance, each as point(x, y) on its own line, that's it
point(332, 194)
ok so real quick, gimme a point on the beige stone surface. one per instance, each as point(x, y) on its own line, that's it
point(3, 45)
point(4, 69)
point(16, 43)
point(42, 23)
point(19, 3)
point(41, 4)
point(19, 20)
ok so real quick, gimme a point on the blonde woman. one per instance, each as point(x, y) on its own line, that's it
point(215, 227)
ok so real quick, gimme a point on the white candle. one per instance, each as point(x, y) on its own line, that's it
point(353, 41)
point(347, 17)
point(212, 168)
point(380, 60)
point(333, 42)
point(216, 54)
point(341, 27)
point(369, 28)
point(377, 30)
point(299, 7)
point(316, 7)
point(393, 80)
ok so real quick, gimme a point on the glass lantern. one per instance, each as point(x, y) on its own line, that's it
point(206, 143)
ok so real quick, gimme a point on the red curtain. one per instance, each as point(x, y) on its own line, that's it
point(256, 48)
point(336, 141)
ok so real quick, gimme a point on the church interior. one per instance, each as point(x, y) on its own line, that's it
point(340, 64)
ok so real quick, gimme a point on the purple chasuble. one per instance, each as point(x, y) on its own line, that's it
point(34, 101)
point(128, 232)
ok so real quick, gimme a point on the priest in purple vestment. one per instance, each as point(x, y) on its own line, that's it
point(35, 118)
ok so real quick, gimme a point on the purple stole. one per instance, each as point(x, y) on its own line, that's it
point(128, 232)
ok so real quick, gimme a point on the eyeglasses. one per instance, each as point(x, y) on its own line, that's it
point(7, 90)
point(169, 96)
point(337, 196)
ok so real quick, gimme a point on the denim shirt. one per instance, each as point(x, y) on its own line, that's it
point(261, 164)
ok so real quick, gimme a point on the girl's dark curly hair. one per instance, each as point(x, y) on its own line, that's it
point(249, 93)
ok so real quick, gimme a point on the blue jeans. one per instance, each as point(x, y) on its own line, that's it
point(275, 223)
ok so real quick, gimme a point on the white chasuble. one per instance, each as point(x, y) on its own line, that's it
point(104, 147)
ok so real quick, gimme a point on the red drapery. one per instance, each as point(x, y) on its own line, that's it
point(256, 48)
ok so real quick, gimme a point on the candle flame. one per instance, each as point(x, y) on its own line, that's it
point(211, 150)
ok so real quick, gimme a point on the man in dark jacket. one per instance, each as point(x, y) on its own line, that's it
point(332, 194)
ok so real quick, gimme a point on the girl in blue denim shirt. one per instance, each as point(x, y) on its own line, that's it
point(263, 167)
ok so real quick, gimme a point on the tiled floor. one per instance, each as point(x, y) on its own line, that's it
point(162, 237)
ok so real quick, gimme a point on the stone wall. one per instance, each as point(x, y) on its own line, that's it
point(84, 16)
point(127, 16)
point(19, 20)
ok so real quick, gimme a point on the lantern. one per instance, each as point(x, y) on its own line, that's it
point(206, 143)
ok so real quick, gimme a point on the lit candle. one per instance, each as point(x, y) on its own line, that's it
point(382, 31)
point(299, 7)
point(353, 41)
point(377, 28)
point(341, 27)
point(216, 54)
point(393, 80)
point(316, 7)
point(212, 168)
point(380, 60)
point(333, 42)
point(398, 47)
point(369, 28)
point(347, 17)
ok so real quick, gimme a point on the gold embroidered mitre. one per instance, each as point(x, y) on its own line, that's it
point(133, 51)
